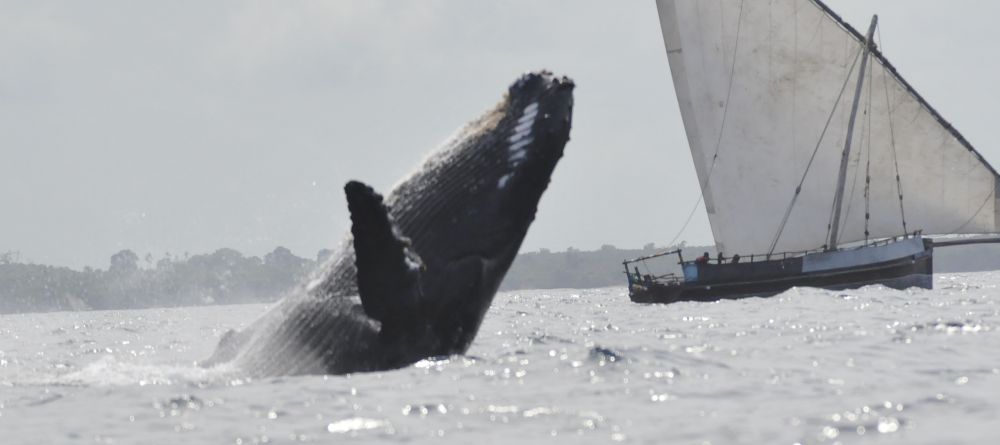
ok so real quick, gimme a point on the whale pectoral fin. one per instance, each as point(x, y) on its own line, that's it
point(388, 269)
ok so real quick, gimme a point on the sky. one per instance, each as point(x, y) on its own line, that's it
point(187, 126)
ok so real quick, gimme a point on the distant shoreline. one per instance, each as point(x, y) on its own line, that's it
point(228, 277)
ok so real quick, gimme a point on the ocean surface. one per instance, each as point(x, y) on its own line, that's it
point(548, 366)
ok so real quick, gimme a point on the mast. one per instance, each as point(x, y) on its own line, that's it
point(838, 200)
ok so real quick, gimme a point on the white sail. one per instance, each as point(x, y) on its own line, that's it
point(757, 82)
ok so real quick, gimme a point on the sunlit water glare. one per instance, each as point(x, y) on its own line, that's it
point(808, 366)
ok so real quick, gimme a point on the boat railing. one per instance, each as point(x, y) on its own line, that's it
point(671, 278)
point(650, 257)
point(799, 253)
point(868, 243)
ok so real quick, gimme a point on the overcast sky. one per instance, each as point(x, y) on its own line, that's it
point(186, 126)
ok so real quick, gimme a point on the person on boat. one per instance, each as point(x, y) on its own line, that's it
point(720, 258)
point(703, 259)
point(638, 276)
point(736, 258)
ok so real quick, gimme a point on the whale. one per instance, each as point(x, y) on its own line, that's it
point(421, 265)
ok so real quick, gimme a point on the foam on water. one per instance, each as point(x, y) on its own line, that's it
point(808, 366)
point(108, 371)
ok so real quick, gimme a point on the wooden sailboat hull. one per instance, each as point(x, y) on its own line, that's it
point(773, 277)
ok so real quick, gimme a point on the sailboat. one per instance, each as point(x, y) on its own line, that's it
point(805, 138)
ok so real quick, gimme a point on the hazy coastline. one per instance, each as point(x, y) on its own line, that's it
point(226, 276)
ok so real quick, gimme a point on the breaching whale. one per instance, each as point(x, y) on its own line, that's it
point(420, 268)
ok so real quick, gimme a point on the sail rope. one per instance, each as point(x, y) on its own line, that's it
point(722, 129)
point(798, 189)
point(868, 163)
point(866, 144)
point(892, 141)
point(855, 163)
point(646, 266)
point(686, 222)
point(974, 215)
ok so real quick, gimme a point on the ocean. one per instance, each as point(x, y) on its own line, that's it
point(873, 365)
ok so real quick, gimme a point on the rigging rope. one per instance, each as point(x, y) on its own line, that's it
point(798, 189)
point(722, 129)
point(974, 215)
point(892, 139)
point(866, 140)
point(686, 222)
point(868, 164)
point(854, 184)
point(646, 266)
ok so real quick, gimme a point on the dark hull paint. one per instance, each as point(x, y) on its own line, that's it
point(901, 273)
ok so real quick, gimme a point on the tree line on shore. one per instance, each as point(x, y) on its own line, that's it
point(223, 277)
point(226, 276)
